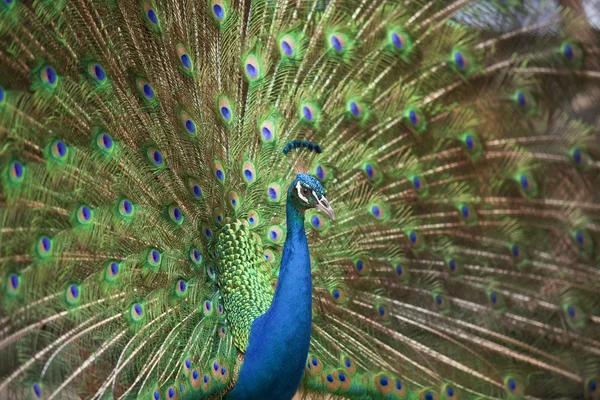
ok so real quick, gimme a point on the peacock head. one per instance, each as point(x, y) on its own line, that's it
point(307, 192)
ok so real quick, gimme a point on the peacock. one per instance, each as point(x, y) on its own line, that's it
point(318, 199)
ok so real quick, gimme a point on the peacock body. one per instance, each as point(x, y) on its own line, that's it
point(166, 232)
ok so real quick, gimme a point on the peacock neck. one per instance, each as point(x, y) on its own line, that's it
point(294, 283)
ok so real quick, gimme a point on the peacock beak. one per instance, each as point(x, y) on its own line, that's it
point(324, 206)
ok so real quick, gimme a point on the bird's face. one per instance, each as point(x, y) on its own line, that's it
point(307, 192)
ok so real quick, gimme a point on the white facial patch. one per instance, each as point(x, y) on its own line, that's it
point(299, 190)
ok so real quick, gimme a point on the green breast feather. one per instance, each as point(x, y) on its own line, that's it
point(245, 279)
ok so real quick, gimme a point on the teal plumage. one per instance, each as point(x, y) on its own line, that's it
point(168, 176)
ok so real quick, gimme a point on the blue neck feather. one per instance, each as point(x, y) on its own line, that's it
point(279, 339)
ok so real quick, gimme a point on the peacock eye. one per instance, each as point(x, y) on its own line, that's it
point(305, 191)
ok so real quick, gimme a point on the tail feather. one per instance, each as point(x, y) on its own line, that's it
point(464, 256)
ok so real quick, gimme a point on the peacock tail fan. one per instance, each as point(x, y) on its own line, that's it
point(143, 190)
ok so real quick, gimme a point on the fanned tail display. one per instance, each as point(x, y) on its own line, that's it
point(163, 169)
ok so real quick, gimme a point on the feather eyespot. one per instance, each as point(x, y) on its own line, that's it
point(317, 222)
point(273, 193)
point(181, 288)
point(195, 190)
point(105, 143)
point(372, 171)
point(287, 46)
point(145, 89)
point(591, 387)
point(96, 72)
point(234, 200)
point(338, 295)
point(269, 255)
point(524, 101)
point(461, 61)
point(175, 214)
point(378, 211)
point(84, 215)
point(219, 10)
point(126, 208)
point(267, 131)
point(314, 365)
point(225, 110)
point(449, 392)
point(513, 386)
point(348, 364)
point(195, 380)
point(154, 258)
point(383, 383)
point(428, 394)
point(188, 124)
point(495, 298)
point(13, 283)
point(399, 389)
point(219, 171)
point(355, 108)
point(321, 172)
point(415, 239)
point(518, 254)
point(253, 219)
point(574, 315)
point(36, 391)
point(345, 380)
point(467, 214)
point(155, 157)
point(150, 15)
point(44, 247)
point(49, 77)
point(571, 53)
point(331, 381)
point(216, 369)
point(195, 256)
point(187, 366)
point(171, 392)
point(440, 302)
point(249, 172)
point(361, 266)
point(58, 150)
point(399, 41)
point(16, 172)
point(469, 142)
point(184, 58)
point(453, 267)
point(577, 156)
point(275, 234)
point(252, 68)
point(382, 312)
point(583, 240)
point(9, 4)
point(219, 216)
point(136, 312)
point(206, 380)
point(207, 308)
point(416, 120)
point(337, 42)
point(112, 271)
point(309, 113)
point(72, 294)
